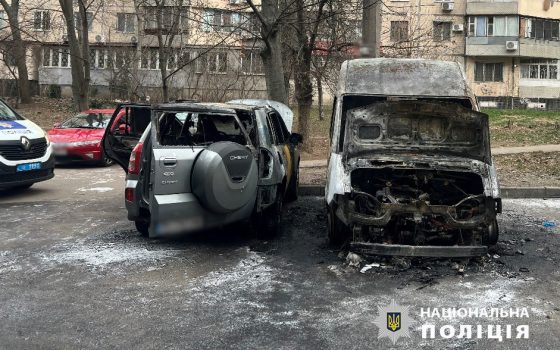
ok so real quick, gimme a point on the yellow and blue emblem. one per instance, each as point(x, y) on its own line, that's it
point(393, 321)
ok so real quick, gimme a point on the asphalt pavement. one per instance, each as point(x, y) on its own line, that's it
point(75, 274)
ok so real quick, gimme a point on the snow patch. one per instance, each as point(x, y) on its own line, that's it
point(102, 255)
point(95, 189)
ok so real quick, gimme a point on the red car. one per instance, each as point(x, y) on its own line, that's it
point(79, 138)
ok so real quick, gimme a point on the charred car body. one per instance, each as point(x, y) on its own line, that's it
point(410, 170)
point(195, 166)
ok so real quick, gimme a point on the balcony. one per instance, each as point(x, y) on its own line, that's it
point(496, 47)
point(492, 7)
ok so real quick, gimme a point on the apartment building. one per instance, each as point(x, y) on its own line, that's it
point(210, 46)
point(513, 49)
point(509, 49)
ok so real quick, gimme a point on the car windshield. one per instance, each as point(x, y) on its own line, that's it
point(92, 120)
point(6, 114)
point(198, 129)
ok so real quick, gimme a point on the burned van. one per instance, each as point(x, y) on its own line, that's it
point(410, 170)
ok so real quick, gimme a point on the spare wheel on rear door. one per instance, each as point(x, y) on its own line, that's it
point(224, 177)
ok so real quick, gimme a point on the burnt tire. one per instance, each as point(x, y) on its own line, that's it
point(224, 177)
point(293, 188)
point(492, 233)
point(142, 226)
point(338, 233)
point(269, 222)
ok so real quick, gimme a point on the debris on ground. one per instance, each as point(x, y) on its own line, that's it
point(549, 224)
point(369, 267)
point(353, 260)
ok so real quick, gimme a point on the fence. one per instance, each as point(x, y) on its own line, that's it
point(508, 102)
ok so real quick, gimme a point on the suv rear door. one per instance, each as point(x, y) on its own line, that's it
point(121, 137)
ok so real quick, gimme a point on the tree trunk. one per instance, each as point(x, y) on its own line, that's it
point(19, 50)
point(302, 76)
point(320, 95)
point(272, 53)
point(79, 88)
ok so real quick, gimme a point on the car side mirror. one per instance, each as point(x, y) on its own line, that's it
point(56, 125)
point(296, 138)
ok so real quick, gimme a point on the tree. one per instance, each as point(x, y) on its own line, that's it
point(309, 18)
point(18, 49)
point(78, 41)
point(271, 53)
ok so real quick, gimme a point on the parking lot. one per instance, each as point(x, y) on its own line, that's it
point(75, 273)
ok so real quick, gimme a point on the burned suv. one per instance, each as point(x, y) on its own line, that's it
point(410, 170)
point(194, 166)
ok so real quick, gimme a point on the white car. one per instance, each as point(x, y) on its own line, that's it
point(25, 151)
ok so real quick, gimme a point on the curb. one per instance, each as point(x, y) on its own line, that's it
point(507, 192)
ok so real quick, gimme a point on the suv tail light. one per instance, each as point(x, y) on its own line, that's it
point(129, 194)
point(135, 159)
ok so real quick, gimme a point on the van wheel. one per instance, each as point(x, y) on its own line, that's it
point(269, 221)
point(142, 226)
point(337, 231)
point(293, 187)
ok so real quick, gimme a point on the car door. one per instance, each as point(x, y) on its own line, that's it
point(127, 124)
point(284, 148)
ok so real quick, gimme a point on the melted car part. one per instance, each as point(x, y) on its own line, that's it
point(419, 207)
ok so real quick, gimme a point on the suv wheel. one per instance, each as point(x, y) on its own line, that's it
point(293, 188)
point(338, 232)
point(142, 226)
point(268, 222)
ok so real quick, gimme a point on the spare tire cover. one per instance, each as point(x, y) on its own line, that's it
point(224, 177)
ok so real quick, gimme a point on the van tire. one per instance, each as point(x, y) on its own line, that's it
point(338, 233)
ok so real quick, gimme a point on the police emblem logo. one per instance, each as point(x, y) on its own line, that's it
point(5, 125)
point(393, 321)
point(25, 143)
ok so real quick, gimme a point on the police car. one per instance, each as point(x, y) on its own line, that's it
point(25, 151)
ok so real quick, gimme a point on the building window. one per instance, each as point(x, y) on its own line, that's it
point(217, 62)
point(150, 59)
point(442, 31)
point(97, 57)
point(9, 59)
point(78, 20)
point(538, 28)
point(488, 72)
point(56, 57)
point(3, 22)
point(539, 69)
point(220, 20)
point(493, 26)
point(399, 30)
point(251, 62)
point(42, 20)
point(171, 19)
point(126, 22)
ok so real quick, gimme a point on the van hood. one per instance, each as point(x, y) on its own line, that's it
point(416, 128)
point(15, 129)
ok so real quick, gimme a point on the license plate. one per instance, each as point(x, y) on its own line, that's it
point(60, 152)
point(28, 166)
